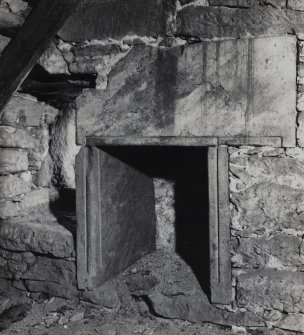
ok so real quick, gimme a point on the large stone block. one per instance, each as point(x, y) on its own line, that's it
point(12, 161)
point(277, 252)
point(225, 88)
point(271, 290)
point(25, 110)
point(43, 237)
point(12, 186)
point(92, 58)
point(53, 62)
point(265, 207)
point(266, 166)
point(14, 264)
point(35, 139)
point(11, 137)
point(24, 205)
point(58, 271)
point(17, 6)
point(115, 19)
point(293, 322)
point(296, 4)
point(222, 22)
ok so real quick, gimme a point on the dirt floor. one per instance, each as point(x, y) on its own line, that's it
point(139, 301)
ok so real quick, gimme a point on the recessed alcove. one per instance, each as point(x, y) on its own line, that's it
point(187, 169)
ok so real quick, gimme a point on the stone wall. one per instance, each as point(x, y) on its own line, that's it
point(33, 246)
point(266, 186)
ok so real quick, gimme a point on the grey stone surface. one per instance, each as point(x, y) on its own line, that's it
point(103, 19)
point(25, 110)
point(14, 264)
point(12, 186)
point(277, 252)
point(262, 181)
point(58, 271)
point(190, 92)
point(12, 161)
point(193, 310)
point(296, 4)
point(267, 207)
point(25, 204)
point(28, 234)
point(93, 58)
point(17, 6)
point(11, 137)
point(271, 290)
point(105, 295)
point(10, 22)
point(293, 322)
point(222, 22)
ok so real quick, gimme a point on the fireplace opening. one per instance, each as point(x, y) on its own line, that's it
point(186, 168)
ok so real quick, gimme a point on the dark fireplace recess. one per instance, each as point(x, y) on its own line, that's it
point(187, 167)
point(116, 211)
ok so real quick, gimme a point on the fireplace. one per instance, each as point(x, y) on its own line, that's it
point(116, 210)
point(175, 110)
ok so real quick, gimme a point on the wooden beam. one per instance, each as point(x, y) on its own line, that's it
point(28, 45)
point(219, 226)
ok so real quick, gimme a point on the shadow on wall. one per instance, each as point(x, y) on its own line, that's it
point(64, 209)
point(188, 168)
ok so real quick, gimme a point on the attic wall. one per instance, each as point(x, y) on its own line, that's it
point(266, 184)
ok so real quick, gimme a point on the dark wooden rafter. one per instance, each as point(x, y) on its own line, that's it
point(25, 49)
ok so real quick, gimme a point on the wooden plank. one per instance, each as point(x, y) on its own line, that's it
point(159, 141)
point(225, 284)
point(127, 215)
point(32, 39)
point(88, 217)
point(213, 220)
point(115, 216)
point(275, 142)
point(93, 220)
point(219, 226)
point(81, 163)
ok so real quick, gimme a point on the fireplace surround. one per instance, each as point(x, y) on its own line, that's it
point(115, 199)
